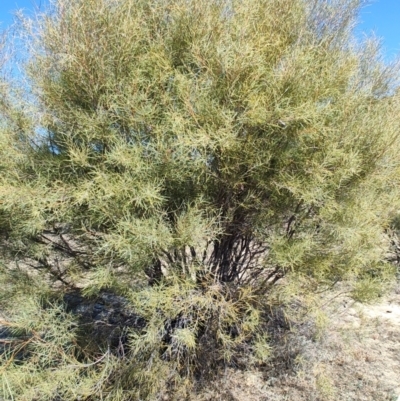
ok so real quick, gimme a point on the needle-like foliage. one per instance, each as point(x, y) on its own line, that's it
point(184, 157)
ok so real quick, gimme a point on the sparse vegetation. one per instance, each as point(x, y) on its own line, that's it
point(178, 175)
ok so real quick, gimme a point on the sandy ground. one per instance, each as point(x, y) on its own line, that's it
point(356, 359)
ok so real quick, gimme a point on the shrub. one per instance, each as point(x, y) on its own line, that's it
point(186, 157)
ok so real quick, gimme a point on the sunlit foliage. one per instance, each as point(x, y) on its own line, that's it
point(188, 157)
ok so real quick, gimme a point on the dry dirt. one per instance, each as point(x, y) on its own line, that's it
point(356, 359)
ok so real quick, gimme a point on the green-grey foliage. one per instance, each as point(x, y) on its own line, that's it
point(187, 156)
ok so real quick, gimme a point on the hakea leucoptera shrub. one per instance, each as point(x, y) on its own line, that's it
point(189, 157)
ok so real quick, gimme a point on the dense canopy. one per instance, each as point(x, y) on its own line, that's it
point(177, 160)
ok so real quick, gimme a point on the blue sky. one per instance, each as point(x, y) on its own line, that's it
point(381, 17)
point(8, 6)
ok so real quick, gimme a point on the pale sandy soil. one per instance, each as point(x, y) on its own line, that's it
point(356, 359)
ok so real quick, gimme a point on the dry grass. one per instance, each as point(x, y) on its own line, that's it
point(357, 358)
